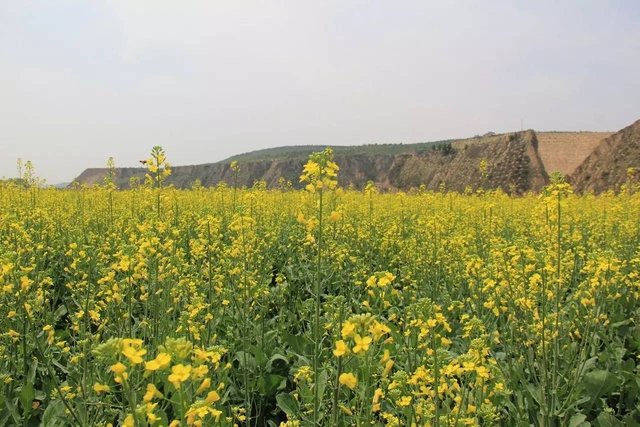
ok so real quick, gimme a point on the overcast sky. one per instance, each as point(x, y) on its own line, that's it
point(84, 80)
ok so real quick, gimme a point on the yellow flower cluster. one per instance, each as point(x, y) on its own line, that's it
point(269, 306)
point(320, 171)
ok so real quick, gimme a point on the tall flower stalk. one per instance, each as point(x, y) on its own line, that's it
point(159, 169)
point(110, 184)
point(320, 174)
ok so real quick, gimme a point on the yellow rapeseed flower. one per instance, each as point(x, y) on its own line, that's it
point(120, 370)
point(212, 397)
point(404, 401)
point(205, 385)
point(134, 355)
point(129, 421)
point(348, 379)
point(348, 329)
point(152, 392)
point(375, 403)
point(179, 374)
point(101, 388)
point(341, 348)
point(362, 344)
point(162, 361)
point(378, 329)
point(199, 372)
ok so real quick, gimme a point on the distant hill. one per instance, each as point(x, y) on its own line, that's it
point(517, 161)
point(513, 165)
point(606, 167)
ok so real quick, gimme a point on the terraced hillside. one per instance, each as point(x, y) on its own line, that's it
point(565, 151)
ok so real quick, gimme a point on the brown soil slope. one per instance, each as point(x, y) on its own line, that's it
point(606, 167)
point(513, 165)
point(564, 151)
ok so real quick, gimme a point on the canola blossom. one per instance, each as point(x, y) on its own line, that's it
point(325, 306)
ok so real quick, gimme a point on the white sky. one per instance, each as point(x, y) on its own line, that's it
point(84, 80)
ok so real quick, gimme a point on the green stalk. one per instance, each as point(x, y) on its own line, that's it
point(544, 379)
point(246, 321)
point(556, 346)
point(436, 378)
point(336, 394)
point(51, 372)
point(316, 329)
point(210, 283)
point(158, 186)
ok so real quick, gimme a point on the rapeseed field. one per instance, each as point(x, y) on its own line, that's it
point(221, 306)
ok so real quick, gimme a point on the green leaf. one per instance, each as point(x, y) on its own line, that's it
point(163, 416)
point(589, 364)
point(278, 364)
point(607, 420)
point(622, 323)
point(33, 367)
point(243, 357)
point(600, 383)
point(288, 404)
point(62, 368)
point(577, 420)
point(628, 366)
point(60, 311)
point(260, 357)
point(54, 412)
point(534, 392)
point(299, 343)
point(322, 382)
point(13, 411)
point(630, 422)
point(26, 397)
point(4, 417)
point(268, 385)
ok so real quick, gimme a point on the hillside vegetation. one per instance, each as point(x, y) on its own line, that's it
point(302, 152)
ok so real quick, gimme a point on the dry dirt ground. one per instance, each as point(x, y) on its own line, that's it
point(565, 151)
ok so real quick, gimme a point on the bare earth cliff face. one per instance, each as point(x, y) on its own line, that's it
point(516, 162)
point(564, 151)
point(513, 164)
point(606, 167)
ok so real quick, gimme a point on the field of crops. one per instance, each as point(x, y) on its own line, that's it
point(254, 307)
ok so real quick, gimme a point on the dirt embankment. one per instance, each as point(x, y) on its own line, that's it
point(564, 151)
point(512, 164)
point(606, 167)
